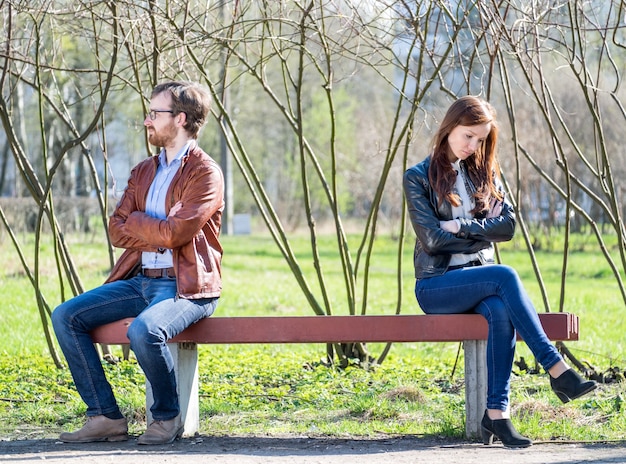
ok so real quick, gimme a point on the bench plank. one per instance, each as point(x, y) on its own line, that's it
point(341, 329)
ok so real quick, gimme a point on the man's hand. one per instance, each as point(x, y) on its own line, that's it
point(175, 209)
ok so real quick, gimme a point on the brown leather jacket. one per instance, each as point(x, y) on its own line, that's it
point(192, 233)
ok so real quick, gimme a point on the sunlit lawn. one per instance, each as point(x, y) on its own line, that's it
point(284, 389)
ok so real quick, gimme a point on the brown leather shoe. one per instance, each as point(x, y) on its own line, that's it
point(98, 428)
point(161, 432)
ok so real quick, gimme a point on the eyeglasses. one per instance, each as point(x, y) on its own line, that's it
point(153, 113)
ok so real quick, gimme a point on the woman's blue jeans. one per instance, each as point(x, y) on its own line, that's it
point(160, 315)
point(496, 292)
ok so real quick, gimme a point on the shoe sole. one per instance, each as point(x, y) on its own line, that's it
point(114, 438)
point(489, 438)
point(566, 399)
point(517, 446)
point(178, 434)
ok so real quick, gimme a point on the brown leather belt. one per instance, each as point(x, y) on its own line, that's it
point(158, 273)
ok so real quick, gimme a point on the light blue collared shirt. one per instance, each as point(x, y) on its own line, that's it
point(155, 204)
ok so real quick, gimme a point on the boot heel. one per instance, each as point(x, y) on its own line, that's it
point(502, 429)
point(487, 436)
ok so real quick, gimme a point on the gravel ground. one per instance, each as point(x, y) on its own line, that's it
point(306, 450)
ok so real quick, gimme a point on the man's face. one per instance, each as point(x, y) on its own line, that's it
point(162, 130)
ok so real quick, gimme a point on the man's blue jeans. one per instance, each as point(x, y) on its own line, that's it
point(496, 292)
point(160, 315)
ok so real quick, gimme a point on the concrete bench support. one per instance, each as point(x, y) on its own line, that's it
point(475, 385)
point(185, 356)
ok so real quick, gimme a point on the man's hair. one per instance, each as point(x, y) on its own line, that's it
point(189, 98)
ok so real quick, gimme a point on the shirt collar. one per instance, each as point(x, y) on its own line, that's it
point(179, 155)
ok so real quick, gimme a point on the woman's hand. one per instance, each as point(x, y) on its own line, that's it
point(495, 208)
point(452, 226)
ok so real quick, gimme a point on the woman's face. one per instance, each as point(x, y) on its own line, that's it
point(464, 140)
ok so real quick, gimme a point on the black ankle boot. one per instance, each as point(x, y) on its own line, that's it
point(504, 430)
point(569, 385)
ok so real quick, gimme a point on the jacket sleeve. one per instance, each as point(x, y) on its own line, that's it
point(496, 229)
point(201, 194)
point(421, 203)
point(120, 235)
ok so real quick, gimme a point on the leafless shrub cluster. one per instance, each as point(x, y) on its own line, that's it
point(319, 106)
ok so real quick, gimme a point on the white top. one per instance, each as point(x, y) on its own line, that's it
point(463, 211)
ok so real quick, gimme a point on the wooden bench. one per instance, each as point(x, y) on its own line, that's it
point(471, 329)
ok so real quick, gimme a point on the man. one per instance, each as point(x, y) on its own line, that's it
point(169, 276)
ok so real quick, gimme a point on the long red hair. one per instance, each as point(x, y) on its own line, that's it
point(482, 166)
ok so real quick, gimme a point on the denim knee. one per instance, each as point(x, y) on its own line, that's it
point(56, 317)
point(141, 334)
point(60, 318)
point(505, 273)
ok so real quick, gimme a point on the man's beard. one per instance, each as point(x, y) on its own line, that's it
point(162, 138)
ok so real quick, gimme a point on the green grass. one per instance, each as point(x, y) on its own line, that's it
point(274, 389)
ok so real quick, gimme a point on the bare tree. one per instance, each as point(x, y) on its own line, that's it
point(321, 105)
point(26, 67)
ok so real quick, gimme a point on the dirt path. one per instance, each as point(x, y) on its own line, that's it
point(292, 450)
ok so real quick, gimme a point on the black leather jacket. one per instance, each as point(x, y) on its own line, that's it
point(434, 246)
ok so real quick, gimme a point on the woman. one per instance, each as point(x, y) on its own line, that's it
point(457, 208)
